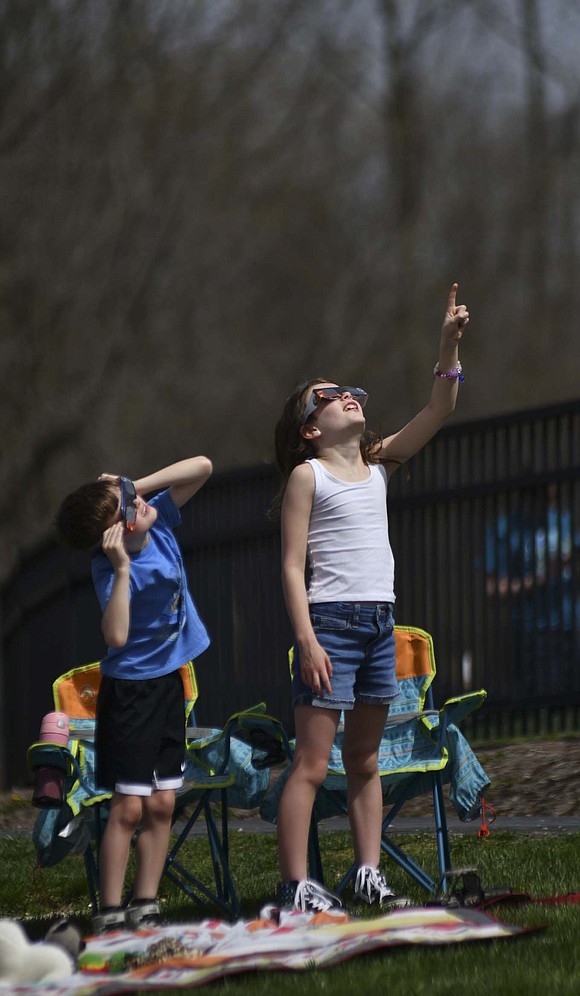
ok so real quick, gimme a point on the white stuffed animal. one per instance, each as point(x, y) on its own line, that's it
point(24, 961)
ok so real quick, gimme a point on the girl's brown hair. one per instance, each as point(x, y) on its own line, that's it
point(292, 449)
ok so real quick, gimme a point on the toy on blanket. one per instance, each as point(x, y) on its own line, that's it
point(22, 960)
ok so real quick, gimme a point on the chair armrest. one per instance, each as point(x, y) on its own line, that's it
point(50, 755)
point(211, 747)
point(64, 758)
point(229, 754)
point(264, 734)
point(407, 717)
point(202, 733)
point(454, 710)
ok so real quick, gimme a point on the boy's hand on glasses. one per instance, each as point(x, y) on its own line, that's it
point(113, 545)
point(108, 477)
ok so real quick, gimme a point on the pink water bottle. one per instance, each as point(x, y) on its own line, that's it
point(49, 773)
point(54, 729)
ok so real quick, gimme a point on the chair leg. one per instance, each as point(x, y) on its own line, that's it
point(407, 864)
point(225, 895)
point(402, 858)
point(91, 856)
point(315, 869)
point(442, 832)
point(391, 848)
point(229, 890)
point(92, 873)
point(220, 853)
point(442, 841)
point(345, 880)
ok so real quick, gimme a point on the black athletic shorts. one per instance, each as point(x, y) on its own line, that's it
point(140, 736)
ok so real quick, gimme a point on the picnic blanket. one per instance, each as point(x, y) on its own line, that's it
point(193, 954)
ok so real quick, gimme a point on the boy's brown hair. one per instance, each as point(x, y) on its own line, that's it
point(85, 514)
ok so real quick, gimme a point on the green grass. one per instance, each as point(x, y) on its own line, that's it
point(544, 962)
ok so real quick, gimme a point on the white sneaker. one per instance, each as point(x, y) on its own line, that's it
point(372, 887)
point(307, 896)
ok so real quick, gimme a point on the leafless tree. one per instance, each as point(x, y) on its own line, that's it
point(205, 203)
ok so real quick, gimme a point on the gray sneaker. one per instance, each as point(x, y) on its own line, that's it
point(372, 887)
point(142, 914)
point(307, 896)
point(109, 919)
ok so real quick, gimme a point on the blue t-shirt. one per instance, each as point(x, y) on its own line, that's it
point(165, 630)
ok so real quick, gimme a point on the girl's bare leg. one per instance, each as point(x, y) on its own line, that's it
point(315, 731)
point(363, 730)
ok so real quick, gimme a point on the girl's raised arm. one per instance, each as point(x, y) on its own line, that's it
point(402, 445)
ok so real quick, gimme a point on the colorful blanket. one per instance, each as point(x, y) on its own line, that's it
point(190, 955)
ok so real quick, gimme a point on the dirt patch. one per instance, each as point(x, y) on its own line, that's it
point(538, 778)
point(16, 810)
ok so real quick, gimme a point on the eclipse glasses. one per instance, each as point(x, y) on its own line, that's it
point(128, 506)
point(332, 394)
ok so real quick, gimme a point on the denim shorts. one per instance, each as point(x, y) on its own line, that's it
point(360, 642)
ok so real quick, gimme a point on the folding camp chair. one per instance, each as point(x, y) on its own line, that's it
point(219, 767)
point(421, 749)
point(212, 768)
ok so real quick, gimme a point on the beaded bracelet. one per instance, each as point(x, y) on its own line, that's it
point(455, 374)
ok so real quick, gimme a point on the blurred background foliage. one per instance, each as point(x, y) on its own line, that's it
point(206, 201)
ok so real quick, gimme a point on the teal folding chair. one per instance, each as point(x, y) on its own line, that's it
point(219, 768)
point(421, 750)
point(214, 768)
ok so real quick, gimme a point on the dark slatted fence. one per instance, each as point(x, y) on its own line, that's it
point(486, 535)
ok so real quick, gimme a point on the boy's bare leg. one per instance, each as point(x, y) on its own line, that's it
point(124, 818)
point(315, 731)
point(153, 842)
point(363, 730)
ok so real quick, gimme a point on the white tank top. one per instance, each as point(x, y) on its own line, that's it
point(348, 539)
